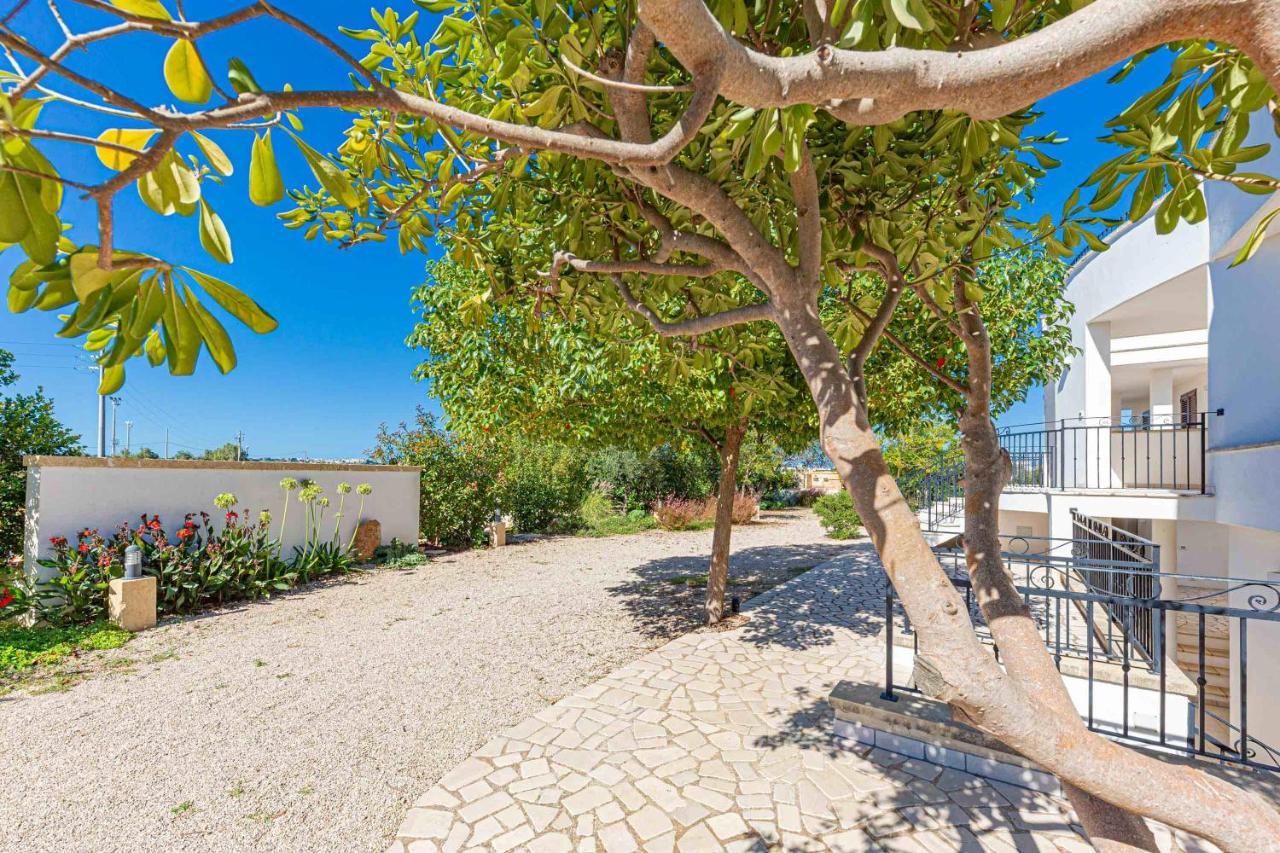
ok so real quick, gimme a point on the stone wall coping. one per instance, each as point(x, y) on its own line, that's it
point(189, 464)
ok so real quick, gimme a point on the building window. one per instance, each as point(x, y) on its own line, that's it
point(1188, 408)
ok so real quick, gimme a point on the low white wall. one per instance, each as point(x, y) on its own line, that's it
point(66, 494)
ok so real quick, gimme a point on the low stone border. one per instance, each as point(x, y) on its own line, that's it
point(921, 728)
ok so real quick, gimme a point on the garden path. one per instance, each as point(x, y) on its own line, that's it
point(311, 722)
point(722, 741)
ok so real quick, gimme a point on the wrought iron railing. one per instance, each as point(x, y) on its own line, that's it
point(1101, 453)
point(938, 497)
point(1203, 732)
point(1113, 561)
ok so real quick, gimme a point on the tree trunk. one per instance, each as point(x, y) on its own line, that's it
point(955, 667)
point(1013, 630)
point(718, 574)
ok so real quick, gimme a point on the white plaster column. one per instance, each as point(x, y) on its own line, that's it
point(1161, 395)
point(1092, 448)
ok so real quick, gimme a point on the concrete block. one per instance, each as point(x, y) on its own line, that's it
point(900, 744)
point(497, 534)
point(131, 604)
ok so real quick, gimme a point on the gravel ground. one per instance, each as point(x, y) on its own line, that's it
point(310, 722)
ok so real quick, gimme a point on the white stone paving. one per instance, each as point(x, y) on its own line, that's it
point(721, 741)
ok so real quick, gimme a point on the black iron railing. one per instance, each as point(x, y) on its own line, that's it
point(1108, 454)
point(1202, 731)
point(938, 497)
point(1113, 561)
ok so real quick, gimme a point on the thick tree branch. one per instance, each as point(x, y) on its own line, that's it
point(804, 190)
point(696, 325)
point(642, 265)
point(879, 86)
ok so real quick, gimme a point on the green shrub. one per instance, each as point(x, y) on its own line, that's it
point(638, 480)
point(838, 515)
point(459, 479)
point(542, 486)
point(601, 518)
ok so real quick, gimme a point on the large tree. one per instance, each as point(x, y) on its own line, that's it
point(751, 150)
point(511, 366)
point(28, 426)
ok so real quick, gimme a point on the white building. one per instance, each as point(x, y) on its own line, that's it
point(1165, 429)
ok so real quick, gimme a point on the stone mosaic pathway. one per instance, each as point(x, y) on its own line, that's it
point(721, 741)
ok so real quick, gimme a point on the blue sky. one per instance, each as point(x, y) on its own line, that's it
point(337, 367)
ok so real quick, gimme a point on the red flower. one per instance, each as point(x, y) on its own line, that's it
point(184, 533)
point(84, 549)
point(232, 516)
point(154, 523)
point(104, 561)
point(6, 597)
point(941, 362)
point(58, 541)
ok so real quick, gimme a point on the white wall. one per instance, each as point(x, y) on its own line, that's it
point(68, 494)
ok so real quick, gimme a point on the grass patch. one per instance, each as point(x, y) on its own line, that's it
point(23, 650)
point(619, 525)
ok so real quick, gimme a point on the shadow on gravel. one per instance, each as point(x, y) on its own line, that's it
point(665, 599)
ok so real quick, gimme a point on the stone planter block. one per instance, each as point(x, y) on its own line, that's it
point(497, 534)
point(131, 604)
point(368, 539)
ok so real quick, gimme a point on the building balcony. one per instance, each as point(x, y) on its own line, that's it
point(1111, 455)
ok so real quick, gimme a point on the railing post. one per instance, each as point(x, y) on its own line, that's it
point(888, 695)
point(1204, 423)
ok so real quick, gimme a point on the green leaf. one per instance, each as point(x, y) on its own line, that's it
point(14, 224)
point(114, 158)
point(213, 154)
point(213, 234)
point(265, 184)
point(235, 302)
point(329, 175)
point(21, 299)
point(145, 8)
point(1250, 247)
point(240, 77)
point(215, 336)
point(911, 14)
point(185, 74)
point(112, 380)
point(182, 338)
point(87, 278)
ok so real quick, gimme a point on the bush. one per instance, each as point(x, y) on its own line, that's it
point(675, 513)
point(27, 426)
point(542, 486)
point(807, 497)
point(459, 479)
point(745, 507)
point(838, 515)
point(634, 480)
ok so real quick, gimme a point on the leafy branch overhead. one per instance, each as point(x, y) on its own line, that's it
point(421, 149)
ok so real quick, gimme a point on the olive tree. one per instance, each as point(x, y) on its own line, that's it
point(756, 153)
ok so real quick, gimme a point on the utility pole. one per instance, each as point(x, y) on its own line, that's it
point(166, 442)
point(115, 404)
point(128, 436)
point(240, 446)
point(102, 417)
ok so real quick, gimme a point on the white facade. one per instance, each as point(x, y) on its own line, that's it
point(1172, 337)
